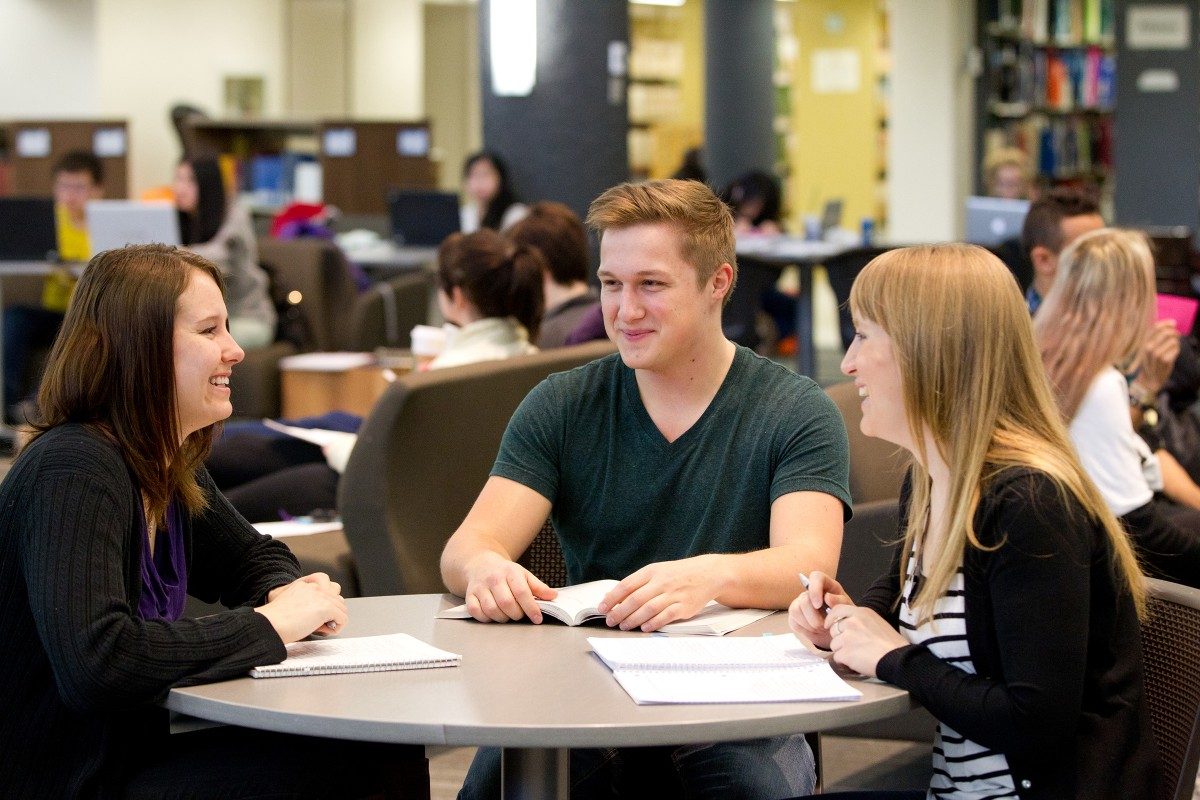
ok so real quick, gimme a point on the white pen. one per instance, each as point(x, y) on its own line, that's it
point(804, 580)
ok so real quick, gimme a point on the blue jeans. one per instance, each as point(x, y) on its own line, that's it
point(758, 769)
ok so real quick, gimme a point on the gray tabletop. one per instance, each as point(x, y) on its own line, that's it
point(519, 685)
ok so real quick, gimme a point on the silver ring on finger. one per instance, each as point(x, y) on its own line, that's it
point(838, 626)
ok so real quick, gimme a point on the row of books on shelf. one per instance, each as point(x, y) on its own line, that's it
point(1060, 147)
point(1063, 22)
point(1059, 80)
point(274, 179)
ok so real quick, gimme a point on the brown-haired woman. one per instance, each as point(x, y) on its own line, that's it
point(110, 522)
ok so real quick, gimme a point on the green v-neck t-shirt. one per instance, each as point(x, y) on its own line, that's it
point(623, 497)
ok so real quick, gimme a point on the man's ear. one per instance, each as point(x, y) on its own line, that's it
point(722, 281)
point(1045, 261)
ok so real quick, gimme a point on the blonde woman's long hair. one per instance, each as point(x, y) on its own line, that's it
point(972, 378)
point(1097, 313)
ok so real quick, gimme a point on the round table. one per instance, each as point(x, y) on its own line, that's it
point(533, 690)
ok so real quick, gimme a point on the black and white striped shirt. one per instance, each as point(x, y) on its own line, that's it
point(962, 769)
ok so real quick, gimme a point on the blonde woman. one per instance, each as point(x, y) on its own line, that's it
point(1090, 328)
point(1011, 612)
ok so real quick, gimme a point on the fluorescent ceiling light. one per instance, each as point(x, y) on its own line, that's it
point(513, 37)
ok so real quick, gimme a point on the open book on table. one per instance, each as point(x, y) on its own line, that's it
point(576, 605)
point(740, 669)
point(359, 654)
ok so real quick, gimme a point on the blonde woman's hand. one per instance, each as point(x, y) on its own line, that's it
point(859, 638)
point(806, 614)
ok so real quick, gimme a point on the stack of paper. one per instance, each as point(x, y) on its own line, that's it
point(765, 669)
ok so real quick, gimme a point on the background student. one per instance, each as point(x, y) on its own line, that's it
point(489, 287)
point(111, 522)
point(558, 234)
point(686, 467)
point(78, 178)
point(490, 200)
point(218, 228)
point(1091, 328)
point(1011, 611)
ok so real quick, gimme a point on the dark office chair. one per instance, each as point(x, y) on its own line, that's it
point(869, 539)
point(842, 270)
point(1171, 656)
point(423, 455)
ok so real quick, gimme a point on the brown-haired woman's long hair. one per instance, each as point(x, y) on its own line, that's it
point(499, 278)
point(112, 368)
point(972, 377)
point(1097, 313)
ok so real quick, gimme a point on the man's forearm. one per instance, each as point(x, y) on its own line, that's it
point(768, 578)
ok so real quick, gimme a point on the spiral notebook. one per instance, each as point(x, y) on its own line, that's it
point(762, 669)
point(360, 654)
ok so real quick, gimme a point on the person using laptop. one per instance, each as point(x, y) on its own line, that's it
point(78, 178)
point(1006, 174)
point(558, 234)
point(1011, 609)
point(217, 227)
point(491, 201)
point(111, 523)
point(686, 467)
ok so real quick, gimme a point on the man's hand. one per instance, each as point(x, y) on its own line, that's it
point(658, 594)
point(500, 590)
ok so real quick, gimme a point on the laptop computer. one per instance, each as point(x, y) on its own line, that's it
point(831, 216)
point(422, 218)
point(27, 229)
point(994, 220)
point(116, 223)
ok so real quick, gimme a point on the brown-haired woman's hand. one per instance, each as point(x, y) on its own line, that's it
point(307, 605)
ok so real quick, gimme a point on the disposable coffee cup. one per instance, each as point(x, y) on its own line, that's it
point(427, 343)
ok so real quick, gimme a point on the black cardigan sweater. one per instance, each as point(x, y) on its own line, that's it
point(82, 672)
point(1056, 647)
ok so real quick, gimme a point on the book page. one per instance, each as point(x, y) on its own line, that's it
point(717, 620)
point(813, 682)
point(662, 652)
point(318, 436)
point(361, 653)
point(576, 604)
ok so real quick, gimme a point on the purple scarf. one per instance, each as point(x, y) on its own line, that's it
point(164, 576)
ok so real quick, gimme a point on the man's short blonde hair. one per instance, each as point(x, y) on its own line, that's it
point(704, 223)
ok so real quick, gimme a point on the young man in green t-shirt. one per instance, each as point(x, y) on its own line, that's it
point(686, 467)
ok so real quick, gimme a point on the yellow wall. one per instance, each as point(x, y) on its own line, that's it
point(834, 144)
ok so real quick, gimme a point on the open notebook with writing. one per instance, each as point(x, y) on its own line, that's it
point(576, 605)
point(762, 669)
point(359, 654)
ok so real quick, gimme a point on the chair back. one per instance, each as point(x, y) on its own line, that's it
point(385, 314)
point(311, 275)
point(1171, 658)
point(876, 467)
point(422, 457)
point(544, 558)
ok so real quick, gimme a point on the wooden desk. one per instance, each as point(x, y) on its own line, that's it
point(534, 690)
point(309, 393)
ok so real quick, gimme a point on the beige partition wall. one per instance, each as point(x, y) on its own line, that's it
point(318, 50)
